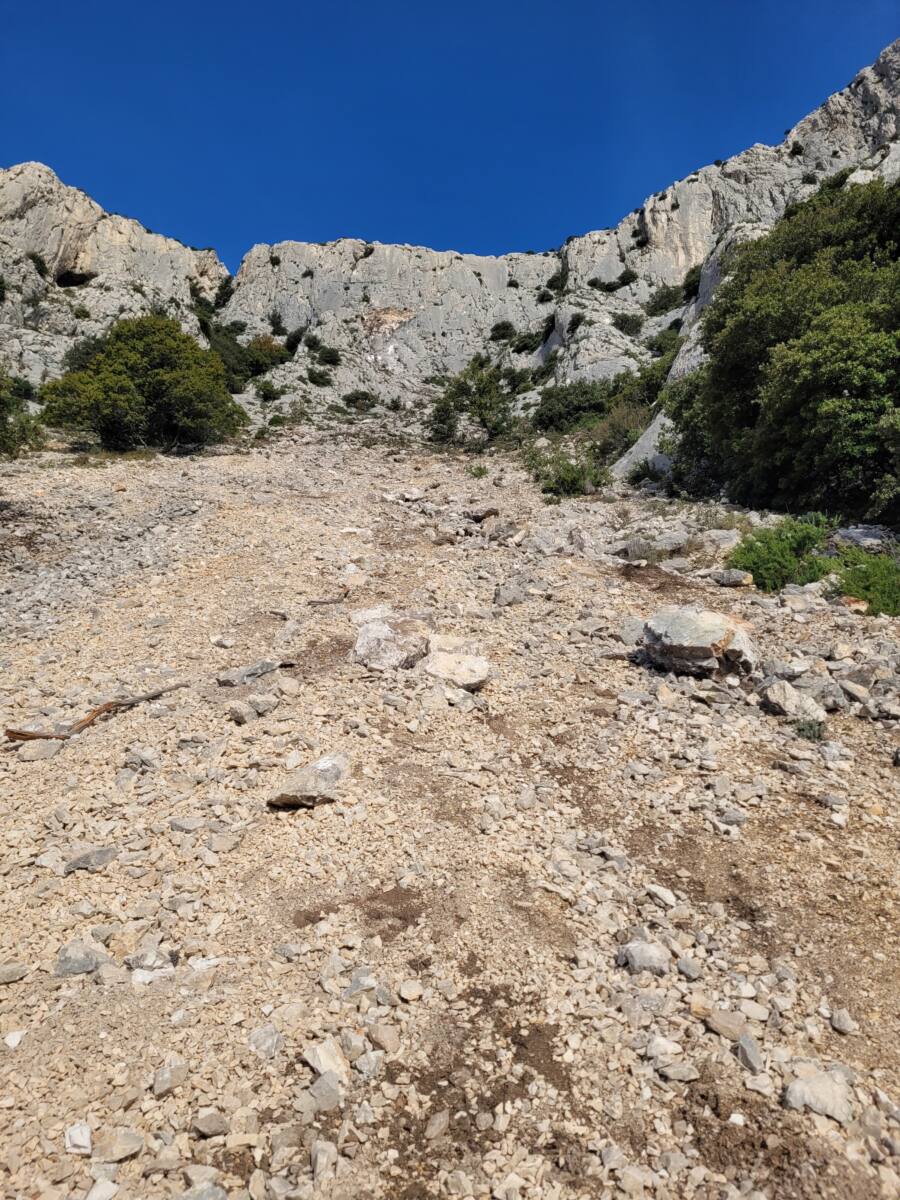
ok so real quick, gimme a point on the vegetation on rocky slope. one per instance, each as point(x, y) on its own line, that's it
point(18, 429)
point(145, 383)
point(798, 406)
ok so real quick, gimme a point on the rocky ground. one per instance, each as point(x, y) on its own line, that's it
point(551, 921)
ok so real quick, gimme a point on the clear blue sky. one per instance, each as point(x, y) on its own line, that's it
point(480, 125)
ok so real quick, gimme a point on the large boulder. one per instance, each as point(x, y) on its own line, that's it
point(695, 641)
point(389, 641)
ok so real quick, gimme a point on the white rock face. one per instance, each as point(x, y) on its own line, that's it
point(400, 315)
point(98, 262)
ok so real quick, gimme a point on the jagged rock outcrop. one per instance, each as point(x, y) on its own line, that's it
point(401, 315)
point(70, 270)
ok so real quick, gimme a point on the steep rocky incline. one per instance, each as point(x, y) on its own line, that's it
point(471, 856)
point(401, 315)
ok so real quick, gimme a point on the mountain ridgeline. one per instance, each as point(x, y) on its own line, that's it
point(382, 328)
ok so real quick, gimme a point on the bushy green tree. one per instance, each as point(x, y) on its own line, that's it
point(483, 394)
point(798, 404)
point(146, 383)
point(18, 429)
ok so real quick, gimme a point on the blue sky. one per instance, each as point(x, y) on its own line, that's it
point(482, 126)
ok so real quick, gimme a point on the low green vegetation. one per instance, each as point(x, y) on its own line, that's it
point(360, 399)
point(318, 378)
point(566, 472)
point(502, 331)
point(603, 285)
point(796, 551)
point(629, 323)
point(787, 553)
point(38, 262)
point(583, 402)
point(18, 428)
point(146, 383)
point(664, 299)
point(481, 394)
point(798, 405)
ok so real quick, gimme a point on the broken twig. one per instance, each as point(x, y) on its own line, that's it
point(332, 600)
point(110, 706)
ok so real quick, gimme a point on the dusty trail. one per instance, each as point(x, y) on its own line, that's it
point(416, 990)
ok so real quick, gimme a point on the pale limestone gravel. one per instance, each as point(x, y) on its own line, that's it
point(416, 990)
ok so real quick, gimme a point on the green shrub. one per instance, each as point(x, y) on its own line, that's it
point(575, 322)
point(620, 428)
point(294, 338)
point(318, 378)
point(664, 299)
point(558, 280)
point(267, 392)
point(812, 731)
point(566, 405)
point(481, 393)
point(690, 287)
point(527, 343)
point(627, 276)
point(224, 292)
point(18, 429)
point(80, 312)
point(798, 406)
point(629, 323)
point(566, 474)
point(308, 273)
point(274, 260)
point(809, 177)
point(148, 384)
point(632, 393)
point(874, 578)
point(279, 329)
point(80, 354)
point(477, 470)
point(38, 262)
point(544, 296)
point(787, 553)
point(312, 342)
point(502, 331)
point(360, 399)
point(262, 353)
point(2, 290)
point(328, 356)
point(665, 342)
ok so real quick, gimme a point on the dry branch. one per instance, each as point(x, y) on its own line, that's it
point(110, 706)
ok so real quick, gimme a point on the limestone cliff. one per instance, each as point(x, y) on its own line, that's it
point(400, 315)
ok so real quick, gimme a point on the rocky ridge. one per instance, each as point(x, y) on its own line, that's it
point(402, 315)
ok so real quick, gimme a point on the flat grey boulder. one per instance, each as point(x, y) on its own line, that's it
point(824, 1093)
point(640, 956)
point(314, 784)
point(454, 660)
point(696, 641)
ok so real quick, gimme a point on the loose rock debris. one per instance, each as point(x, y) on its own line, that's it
point(562, 918)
